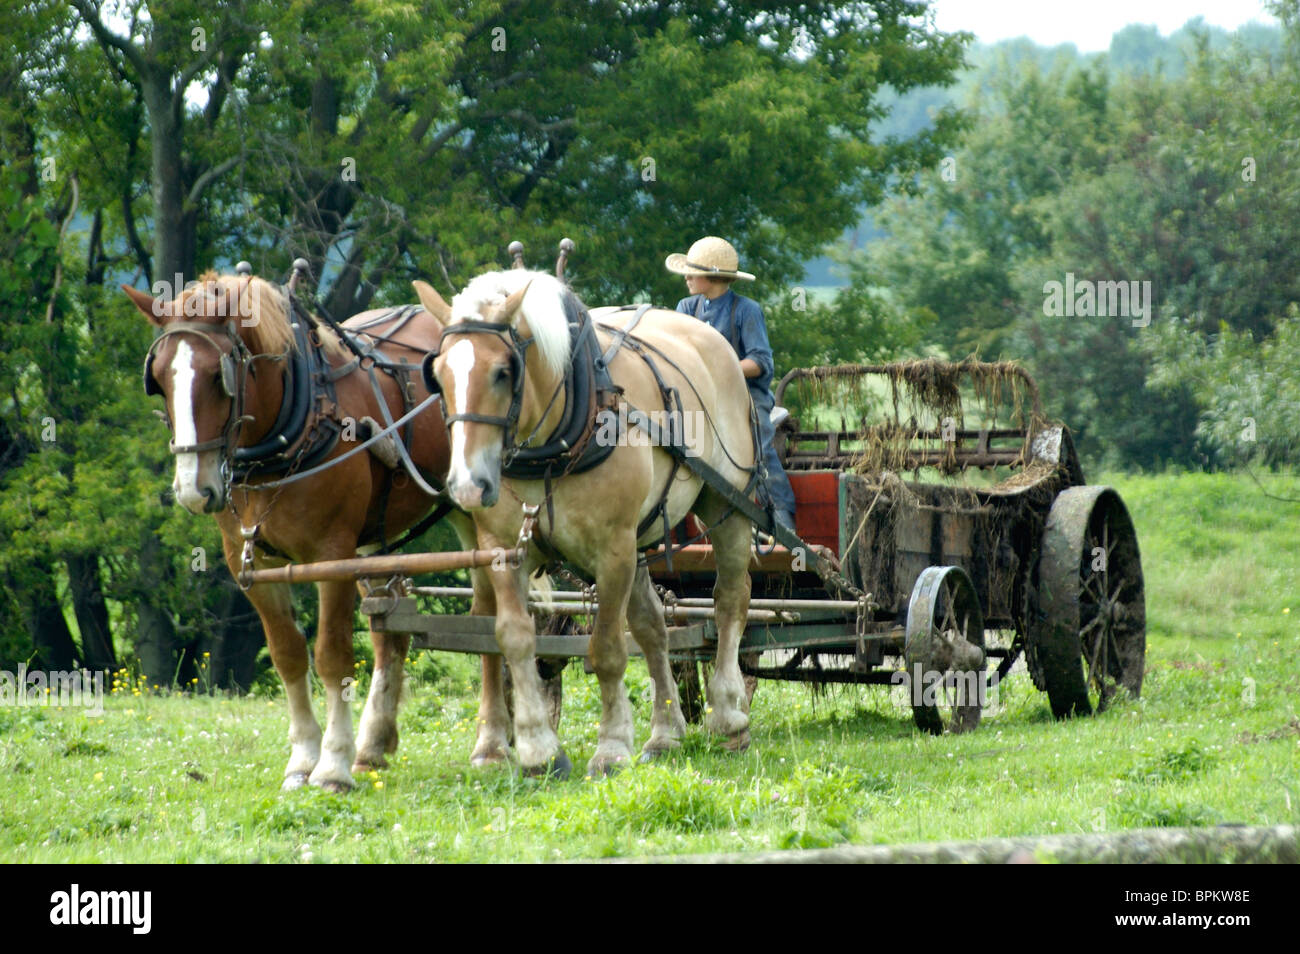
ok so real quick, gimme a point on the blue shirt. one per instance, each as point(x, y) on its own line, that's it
point(747, 334)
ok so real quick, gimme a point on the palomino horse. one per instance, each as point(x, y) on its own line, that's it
point(495, 386)
point(235, 364)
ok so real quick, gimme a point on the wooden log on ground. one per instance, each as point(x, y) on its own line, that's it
point(1222, 844)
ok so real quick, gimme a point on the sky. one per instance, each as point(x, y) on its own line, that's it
point(1088, 25)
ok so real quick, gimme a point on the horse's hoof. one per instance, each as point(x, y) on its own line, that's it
point(604, 766)
point(729, 724)
point(737, 743)
point(294, 782)
point(369, 763)
point(557, 767)
point(334, 786)
point(649, 755)
point(488, 758)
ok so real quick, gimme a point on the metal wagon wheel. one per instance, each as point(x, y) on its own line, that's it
point(1089, 634)
point(944, 651)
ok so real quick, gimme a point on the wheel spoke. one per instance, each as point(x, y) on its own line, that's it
point(1118, 659)
point(1092, 662)
point(1092, 584)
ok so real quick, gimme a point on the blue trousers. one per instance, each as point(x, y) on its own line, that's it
point(778, 484)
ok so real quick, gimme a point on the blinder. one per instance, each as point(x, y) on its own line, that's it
point(426, 373)
point(431, 380)
point(150, 383)
point(233, 364)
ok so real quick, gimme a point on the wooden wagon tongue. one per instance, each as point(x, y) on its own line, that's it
point(378, 566)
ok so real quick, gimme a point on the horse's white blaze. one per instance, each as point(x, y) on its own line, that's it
point(186, 481)
point(460, 361)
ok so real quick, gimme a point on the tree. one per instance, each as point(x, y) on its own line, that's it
point(384, 142)
point(1154, 180)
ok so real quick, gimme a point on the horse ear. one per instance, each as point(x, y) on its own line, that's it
point(432, 301)
point(153, 309)
point(511, 307)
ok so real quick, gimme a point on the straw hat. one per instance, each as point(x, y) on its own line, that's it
point(711, 257)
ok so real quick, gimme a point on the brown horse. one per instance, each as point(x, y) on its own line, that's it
point(230, 348)
point(506, 347)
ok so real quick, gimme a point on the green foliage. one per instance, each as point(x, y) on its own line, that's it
point(861, 324)
point(383, 142)
point(1247, 390)
point(1173, 765)
point(1158, 178)
point(1140, 809)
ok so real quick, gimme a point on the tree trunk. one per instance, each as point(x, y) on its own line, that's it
point(155, 640)
point(233, 663)
point(173, 262)
point(91, 612)
point(35, 592)
point(173, 248)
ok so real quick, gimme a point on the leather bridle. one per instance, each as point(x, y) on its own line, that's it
point(235, 364)
point(509, 423)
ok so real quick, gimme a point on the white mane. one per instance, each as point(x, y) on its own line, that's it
point(542, 308)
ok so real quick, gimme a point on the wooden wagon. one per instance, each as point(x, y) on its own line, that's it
point(961, 536)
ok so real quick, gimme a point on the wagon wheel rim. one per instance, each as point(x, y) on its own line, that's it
point(945, 634)
point(1090, 640)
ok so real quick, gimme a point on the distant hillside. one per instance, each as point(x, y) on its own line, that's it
point(1138, 48)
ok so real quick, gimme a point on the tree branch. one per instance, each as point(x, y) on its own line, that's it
point(107, 38)
point(441, 140)
point(141, 253)
point(211, 175)
point(203, 62)
point(58, 249)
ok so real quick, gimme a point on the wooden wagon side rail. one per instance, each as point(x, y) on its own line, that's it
point(829, 450)
point(477, 634)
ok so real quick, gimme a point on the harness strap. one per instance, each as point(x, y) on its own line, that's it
point(402, 451)
point(740, 500)
point(364, 445)
point(438, 513)
point(619, 336)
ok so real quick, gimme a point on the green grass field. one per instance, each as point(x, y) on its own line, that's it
point(1215, 738)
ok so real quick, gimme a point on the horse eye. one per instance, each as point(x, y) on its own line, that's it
point(501, 375)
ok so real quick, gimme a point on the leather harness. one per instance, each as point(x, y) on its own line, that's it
point(307, 427)
point(589, 390)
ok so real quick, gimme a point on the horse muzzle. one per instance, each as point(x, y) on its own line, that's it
point(198, 495)
point(477, 493)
